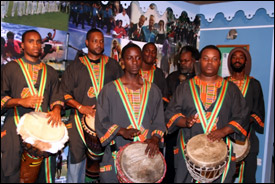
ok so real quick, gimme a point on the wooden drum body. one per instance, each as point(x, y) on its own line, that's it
point(39, 140)
point(205, 160)
point(133, 166)
point(93, 143)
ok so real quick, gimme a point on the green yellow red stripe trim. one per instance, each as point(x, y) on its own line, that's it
point(258, 119)
point(239, 127)
point(172, 120)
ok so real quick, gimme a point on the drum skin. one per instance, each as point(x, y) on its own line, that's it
point(133, 166)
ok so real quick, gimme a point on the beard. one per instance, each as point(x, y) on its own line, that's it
point(237, 69)
point(96, 53)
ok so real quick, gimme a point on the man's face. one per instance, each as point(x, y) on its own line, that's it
point(132, 60)
point(151, 21)
point(32, 44)
point(141, 21)
point(95, 43)
point(210, 62)
point(149, 54)
point(186, 62)
point(238, 61)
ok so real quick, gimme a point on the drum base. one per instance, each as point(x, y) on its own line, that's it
point(30, 168)
point(92, 168)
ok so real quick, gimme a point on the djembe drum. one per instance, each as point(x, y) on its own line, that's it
point(133, 166)
point(39, 140)
point(205, 160)
point(93, 143)
point(241, 150)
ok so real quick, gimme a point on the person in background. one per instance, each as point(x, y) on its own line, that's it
point(150, 72)
point(135, 31)
point(186, 113)
point(12, 48)
point(239, 63)
point(59, 164)
point(186, 70)
point(149, 32)
point(116, 50)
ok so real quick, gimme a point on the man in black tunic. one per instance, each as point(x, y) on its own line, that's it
point(128, 109)
point(20, 96)
point(81, 84)
point(187, 58)
point(239, 63)
point(194, 100)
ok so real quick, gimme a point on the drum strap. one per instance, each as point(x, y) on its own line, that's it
point(207, 125)
point(241, 172)
point(242, 166)
point(30, 82)
point(136, 123)
point(151, 73)
point(227, 166)
point(114, 151)
point(98, 84)
point(81, 133)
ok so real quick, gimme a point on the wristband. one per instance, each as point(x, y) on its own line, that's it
point(79, 107)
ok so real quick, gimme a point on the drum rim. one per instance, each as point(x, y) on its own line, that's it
point(242, 157)
point(203, 164)
point(119, 169)
point(86, 128)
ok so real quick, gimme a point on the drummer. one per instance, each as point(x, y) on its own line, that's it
point(182, 113)
point(128, 109)
point(81, 84)
point(239, 62)
point(19, 96)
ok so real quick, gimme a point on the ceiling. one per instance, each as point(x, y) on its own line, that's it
point(204, 2)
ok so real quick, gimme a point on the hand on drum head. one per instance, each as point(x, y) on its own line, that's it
point(219, 134)
point(31, 101)
point(55, 116)
point(128, 133)
point(88, 110)
point(153, 146)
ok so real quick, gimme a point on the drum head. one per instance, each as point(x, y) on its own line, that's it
point(205, 153)
point(90, 122)
point(36, 125)
point(241, 149)
point(138, 167)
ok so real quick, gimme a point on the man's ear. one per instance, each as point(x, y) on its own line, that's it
point(86, 43)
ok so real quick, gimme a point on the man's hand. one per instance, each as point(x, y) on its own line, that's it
point(87, 110)
point(128, 133)
point(55, 116)
point(31, 101)
point(153, 146)
point(219, 134)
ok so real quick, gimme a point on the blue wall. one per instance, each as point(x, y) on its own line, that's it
point(260, 41)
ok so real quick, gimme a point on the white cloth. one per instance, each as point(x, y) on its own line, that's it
point(125, 19)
